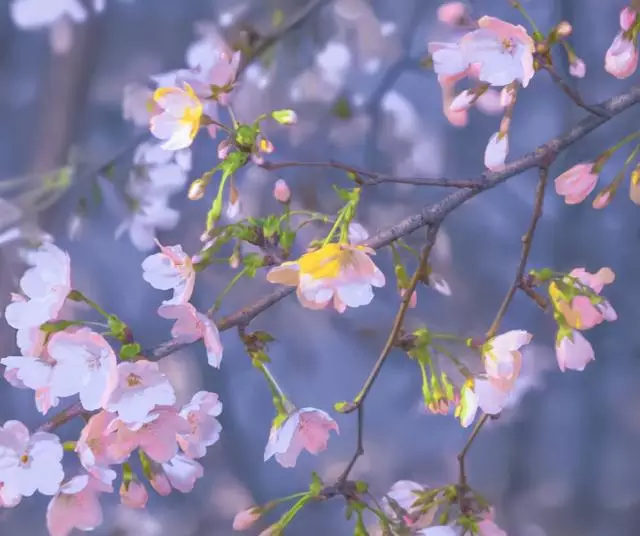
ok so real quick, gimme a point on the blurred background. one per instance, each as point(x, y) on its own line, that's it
point(562, 461)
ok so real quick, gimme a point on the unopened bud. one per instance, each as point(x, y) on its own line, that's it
point(245, 519)
point(285, 117)
point(281, 191)
point(197, 190)
point(223, 149)
point(133, 494)
point(602, 199)
point(577, 68)
point(563, 29)
point(265, 146)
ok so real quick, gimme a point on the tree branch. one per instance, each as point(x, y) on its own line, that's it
point(430, 215)
point(377, 178)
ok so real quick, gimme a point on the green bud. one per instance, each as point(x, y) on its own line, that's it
point(285, 117)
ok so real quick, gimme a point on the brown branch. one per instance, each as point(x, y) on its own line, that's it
point(436, 213)
point(377, 178)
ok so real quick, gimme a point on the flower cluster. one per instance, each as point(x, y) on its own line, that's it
point(131, 403)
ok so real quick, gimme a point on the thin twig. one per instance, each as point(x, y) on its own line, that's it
point(430, 214)
point(377, 178)
point(569, 91)
point(359, 448)
point(432, 233)
point(527, 241)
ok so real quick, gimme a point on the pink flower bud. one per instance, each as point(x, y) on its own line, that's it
point(223, 149)
point(578, 68)
point(160, 483)
point(602, 199)
point(576, 183)
point(246, 518)
point(564, 29)
point(134, 495)
point(627, 18)
point(281, 191)
point(621, 60)
point(197, 190)
point(452, 13)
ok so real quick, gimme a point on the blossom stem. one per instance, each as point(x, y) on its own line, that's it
point(313, 215)
point(333, 230)
point(526, 15)
point(76, 295)
point(226, 290)
point(233, 117)
point(288, 517)
point(276, 391)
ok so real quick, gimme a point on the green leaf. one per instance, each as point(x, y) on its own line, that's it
point(362, 486)
point(245, 137)
point(118, 327)
point(131, 350)
point(251, 262)
point(263, 336)
point(316, 486)
point(342, 108)
point(287, 238)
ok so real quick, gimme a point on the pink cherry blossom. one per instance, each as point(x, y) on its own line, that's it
point(77, 505)
point(81, 361)
point(281, 191)
point(490, 102)
point(134, 494)
point(463, 101)
point(452, 13)
point(573, 350)
point(357, 233)
point(171, 269)
point(182, 472)
point(467, 406)
point(504, 52)
point(502, 358)
point(245, 519)
point(201, 415)
point(621, 59)
point(576, 183)
point(628, 17)
point(492, 398)
point(96, 446)
point(45, 286)
point(29, 463)
point(190, 326)
point(496, 151)
point(141, 387)
point(156, 435)
point(305, 429)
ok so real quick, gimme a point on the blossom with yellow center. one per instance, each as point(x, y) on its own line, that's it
point(179, 118)
point(341, 273)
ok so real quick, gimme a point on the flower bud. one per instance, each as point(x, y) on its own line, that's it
point(245, 519)
point(133, 494)
point(602, 199)
point(577, 68)
point(197, 190)
point(564, 29)
point(285, 117)
point(281, 191)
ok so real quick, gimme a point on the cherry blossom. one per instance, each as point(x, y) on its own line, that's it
point(628, 18)
point(96, 446)
point(577, 183)
point(573, 350)
point(150, 215)
point(182, 472)
point(157, 172)
point(77, 504)
point(452, 13)
point(201, 415)
point(32, 14)
point(133, 494)
point(584, 312)
point(191, 326)
point(180, 119)
point(45, 286)
point(488, 527)
point(504, 52)
point(81, 362)
point(340, 272)
point(138, 105)
point(29, 463)
point(502, 359)
point(281, 191)
point(140, 388)
point(357, 233)
point(304, 429)
point(171, 269)
point(155, 435)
